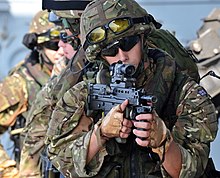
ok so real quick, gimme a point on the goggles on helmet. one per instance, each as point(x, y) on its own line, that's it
point(53, 45)
point(71, 39)
point(51, 34)
point(125, 44)
point(117, 26)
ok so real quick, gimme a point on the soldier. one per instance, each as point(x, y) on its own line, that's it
point(39, 115)
point(171, 141)
point(69, 39)
point(19, 88)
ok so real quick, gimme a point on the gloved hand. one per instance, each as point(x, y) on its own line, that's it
point(112, 122)
point(8, 169)
point(158, 131)
point(154, 131)
point(160, 136)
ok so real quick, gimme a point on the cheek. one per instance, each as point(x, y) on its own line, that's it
point(136, 54)
point(61, 44)
point(68, 48)
point(111, 60)
point(51, 52)
point(60, 50)
point(54, 53)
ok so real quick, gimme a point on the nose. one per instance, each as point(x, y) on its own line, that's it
point(61, 43)
point(60, 51)
point(122, 55)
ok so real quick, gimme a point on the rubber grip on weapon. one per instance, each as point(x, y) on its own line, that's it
point(121, 140)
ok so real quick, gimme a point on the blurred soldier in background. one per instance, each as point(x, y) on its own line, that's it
point(69, 40)
point(19, 88)
point(39, 115)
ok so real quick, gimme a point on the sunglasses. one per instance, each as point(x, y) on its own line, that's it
point(52, 34)
point(125, 44)
point(53, 45)
point(71, 39)
point(117, 26)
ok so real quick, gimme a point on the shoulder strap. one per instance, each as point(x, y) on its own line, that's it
point(169, 111)
point(185, 60)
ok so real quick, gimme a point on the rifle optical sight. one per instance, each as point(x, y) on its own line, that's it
point(119, 69)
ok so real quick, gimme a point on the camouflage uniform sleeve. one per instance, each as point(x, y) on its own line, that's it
point(13, 99)
point(35, 131)
point(70, 131)
point(195, 128)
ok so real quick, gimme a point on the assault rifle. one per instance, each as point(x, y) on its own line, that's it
point(103, 97)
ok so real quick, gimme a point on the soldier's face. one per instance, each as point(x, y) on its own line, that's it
point(133, 56)
point(53, 55)
point(68, 50)
point(59, 53)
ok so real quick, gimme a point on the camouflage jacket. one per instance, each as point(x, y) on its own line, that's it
point(19, 88)
point(193, 126)
point(18, 91)
point(40, 112)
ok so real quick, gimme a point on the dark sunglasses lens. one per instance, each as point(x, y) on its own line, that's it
point(127, 43)
point(112, 51)
point(52, 45)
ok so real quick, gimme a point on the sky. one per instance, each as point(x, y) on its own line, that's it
point(182, 16)
point(185, 19)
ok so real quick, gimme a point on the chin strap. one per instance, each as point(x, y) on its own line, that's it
point(44, 60)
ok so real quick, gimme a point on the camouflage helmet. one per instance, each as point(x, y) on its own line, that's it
point(44, 29)
point(101, 12)
point(70, 19)
point(72, 14)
